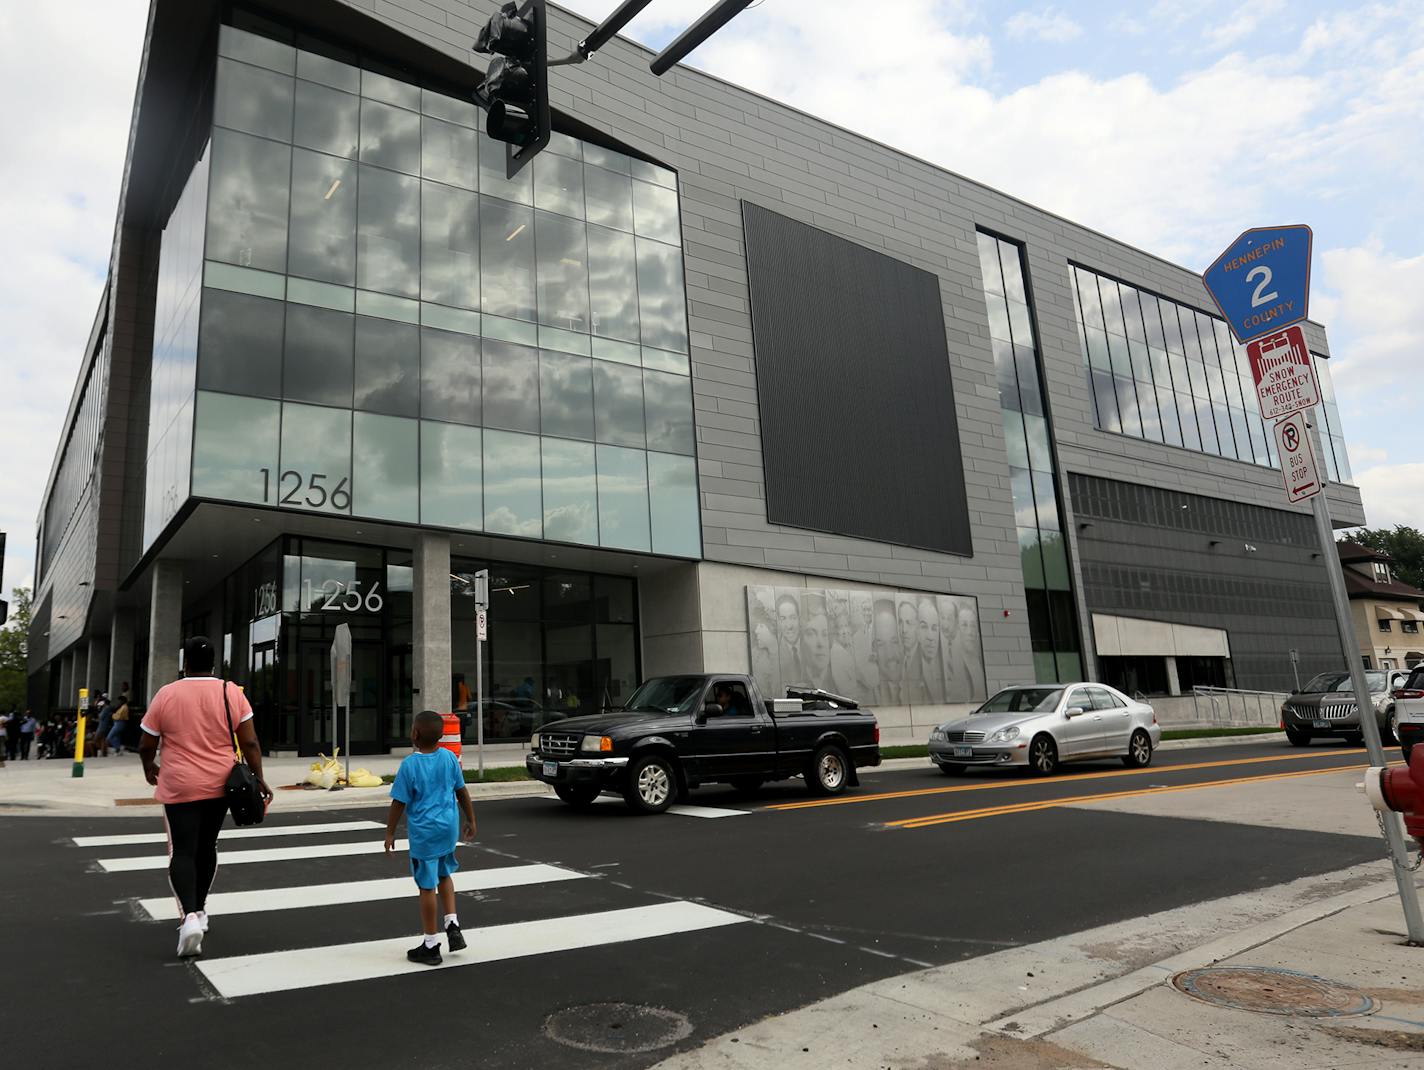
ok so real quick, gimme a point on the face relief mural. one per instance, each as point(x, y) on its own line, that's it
point(880, 648)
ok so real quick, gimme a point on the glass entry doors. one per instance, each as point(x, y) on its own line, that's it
point(367, 688)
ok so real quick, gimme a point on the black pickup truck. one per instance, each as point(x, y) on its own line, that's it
point(679, 732)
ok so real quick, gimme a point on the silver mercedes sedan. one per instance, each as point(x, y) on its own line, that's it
point(1043, 725)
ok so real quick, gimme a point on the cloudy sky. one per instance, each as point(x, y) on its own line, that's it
point(1172, 127)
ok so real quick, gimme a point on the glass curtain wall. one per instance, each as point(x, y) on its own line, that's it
point(1042, 550)
point(391, 329)
point(1327, 421)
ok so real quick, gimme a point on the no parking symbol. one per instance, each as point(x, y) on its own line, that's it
point(1298, 467)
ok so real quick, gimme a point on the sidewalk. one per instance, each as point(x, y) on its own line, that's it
point(115, 786)
point(1105, 998)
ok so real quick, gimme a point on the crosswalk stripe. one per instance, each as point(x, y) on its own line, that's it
point(676, 808)
point(266, 854)
point(281, 971)
point(251, 833)
point(222, 904)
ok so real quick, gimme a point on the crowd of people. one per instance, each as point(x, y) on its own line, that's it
point(109, 729)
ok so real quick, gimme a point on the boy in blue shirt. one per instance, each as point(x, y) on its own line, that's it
point(428, 785)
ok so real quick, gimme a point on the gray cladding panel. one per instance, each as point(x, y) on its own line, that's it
point(858, 429)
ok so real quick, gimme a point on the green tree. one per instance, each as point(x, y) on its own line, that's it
point(14, 652)
point(1404, 544)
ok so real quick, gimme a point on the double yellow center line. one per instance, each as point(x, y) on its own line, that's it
point(1046, 804)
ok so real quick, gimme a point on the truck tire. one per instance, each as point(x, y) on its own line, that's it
point(829, 771)
point(652, 784)
point(579, 796)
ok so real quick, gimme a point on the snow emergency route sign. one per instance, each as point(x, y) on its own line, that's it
point(1284, 373)
point(1298, 467)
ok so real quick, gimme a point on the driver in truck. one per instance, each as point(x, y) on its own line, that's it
point(728, 699)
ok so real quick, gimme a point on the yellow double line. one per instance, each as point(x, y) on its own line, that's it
point(847, 800)
point(1047, 804)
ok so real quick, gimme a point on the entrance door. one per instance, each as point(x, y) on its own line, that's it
point(367, 691)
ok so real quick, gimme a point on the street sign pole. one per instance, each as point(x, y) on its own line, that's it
point(1369, 725)
point(1295, 666)
point(481, 608)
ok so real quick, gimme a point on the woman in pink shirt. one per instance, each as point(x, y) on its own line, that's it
point(195, 719)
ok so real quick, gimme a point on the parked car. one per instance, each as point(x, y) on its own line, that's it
point(1042, 726)
point(1407, 715)
point(679, 732)
point(1326, 709)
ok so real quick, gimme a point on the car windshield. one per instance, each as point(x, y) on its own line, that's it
point(1023, 700)
point(1340, 681)
point(666, 694)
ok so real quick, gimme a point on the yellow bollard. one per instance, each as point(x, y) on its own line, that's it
point(78, 769)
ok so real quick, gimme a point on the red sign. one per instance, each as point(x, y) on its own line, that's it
point(1284, 373)
point(1298, 467)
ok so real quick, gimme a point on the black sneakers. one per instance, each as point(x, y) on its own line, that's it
point(455, 937)
point(426, 956)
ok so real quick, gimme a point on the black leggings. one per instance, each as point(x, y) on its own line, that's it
point(193, 829)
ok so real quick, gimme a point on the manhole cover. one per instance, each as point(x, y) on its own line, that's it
point(1274, 991)
point(617, 1027)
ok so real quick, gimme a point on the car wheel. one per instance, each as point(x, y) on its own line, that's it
point(579, 796)
point(1139, 751)
point(747, 785)
point(1043, 756)
point(1298, 739)
point(828, 772)
point(950, 769)
point(652, 784)
point(1392, 728)
point(1355, 739)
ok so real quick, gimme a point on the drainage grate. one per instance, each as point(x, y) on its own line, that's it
point(623, 1028)
point(1269, 990)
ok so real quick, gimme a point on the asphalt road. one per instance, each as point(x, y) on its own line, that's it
point(785, 903)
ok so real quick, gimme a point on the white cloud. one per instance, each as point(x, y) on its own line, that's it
point(1368, 455)
point(1393, 494)
point(1050, 24)
point(1377, 300)
point(1247, 19)
point(71, 71)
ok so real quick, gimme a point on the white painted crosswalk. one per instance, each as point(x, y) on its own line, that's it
point(253, 832)
point(265, 854)
point(681, 809)
point(282, 971)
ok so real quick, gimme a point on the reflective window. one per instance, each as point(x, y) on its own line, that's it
point(316, 459)
point(618, 404)
point(388, 233)
point(512, 484)
point(672, 493)
point(253, 100)
point(655, 213)
point(612, 284)
point(566, 397)
point(390, 137)
point(388, 367)
point(240, 344)
point(451, 476)
point(386, 455)
point(252, 48)
point(667, 406)
point(326, 120)
point(609, 198)
point(449, 153)
point(247, 201)
point(391, 90)
point(558, 184)
point(562, 267)
point(317, 356)
point(507, 245)
point(449, 376)
point(235, 448)
point(511, 386)
point(661, 304)
point(623, 498)
point(449, 246)
point(322, 241)
point(570, 492)
point(519, 189)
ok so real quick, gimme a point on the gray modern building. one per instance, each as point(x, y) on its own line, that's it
point(712, 385)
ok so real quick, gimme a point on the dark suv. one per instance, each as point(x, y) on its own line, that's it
point(1326, 707)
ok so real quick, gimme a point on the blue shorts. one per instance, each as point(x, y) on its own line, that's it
point(429, 872)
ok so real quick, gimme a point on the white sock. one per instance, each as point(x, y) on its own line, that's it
point(451, 919)
point(433, 940)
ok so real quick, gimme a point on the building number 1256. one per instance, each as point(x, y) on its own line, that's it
point(292, 484)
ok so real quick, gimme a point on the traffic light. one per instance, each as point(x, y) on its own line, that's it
point(515, 91)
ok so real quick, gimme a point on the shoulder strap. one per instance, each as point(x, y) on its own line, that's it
point(227, 715)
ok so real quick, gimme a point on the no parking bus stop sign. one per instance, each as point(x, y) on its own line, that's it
point(1298, 467)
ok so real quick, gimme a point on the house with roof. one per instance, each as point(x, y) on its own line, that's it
point(1386, 612)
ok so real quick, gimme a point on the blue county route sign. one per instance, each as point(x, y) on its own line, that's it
point(1262, 282)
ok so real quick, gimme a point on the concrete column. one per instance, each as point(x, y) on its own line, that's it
point(121, 651)
point(97, 664)
point(1174, 683)
point(431, 625)
point(68, 697)
point(81, 669)
point(165, 626)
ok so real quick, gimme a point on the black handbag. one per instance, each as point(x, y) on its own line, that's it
point(244, 793)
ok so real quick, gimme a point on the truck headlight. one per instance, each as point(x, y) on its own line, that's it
point(534, 741)
point(1004, 735)
point(596, 744)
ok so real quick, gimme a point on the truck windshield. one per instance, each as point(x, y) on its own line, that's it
point(1340, 681)
point(1023, 700)
point(666, 694)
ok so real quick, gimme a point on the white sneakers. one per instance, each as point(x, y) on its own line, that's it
point(190, 936)
point(203, 919)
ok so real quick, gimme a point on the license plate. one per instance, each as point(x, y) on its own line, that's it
point(964, 752)
point(551, 768)
point(1324, 724)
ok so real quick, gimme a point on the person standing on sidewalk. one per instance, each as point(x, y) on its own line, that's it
point(27, 734)
point(196, 718)
point(12, 735)
point(120, 719)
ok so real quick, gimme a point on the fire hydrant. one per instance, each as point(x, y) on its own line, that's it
point(1401, 790)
